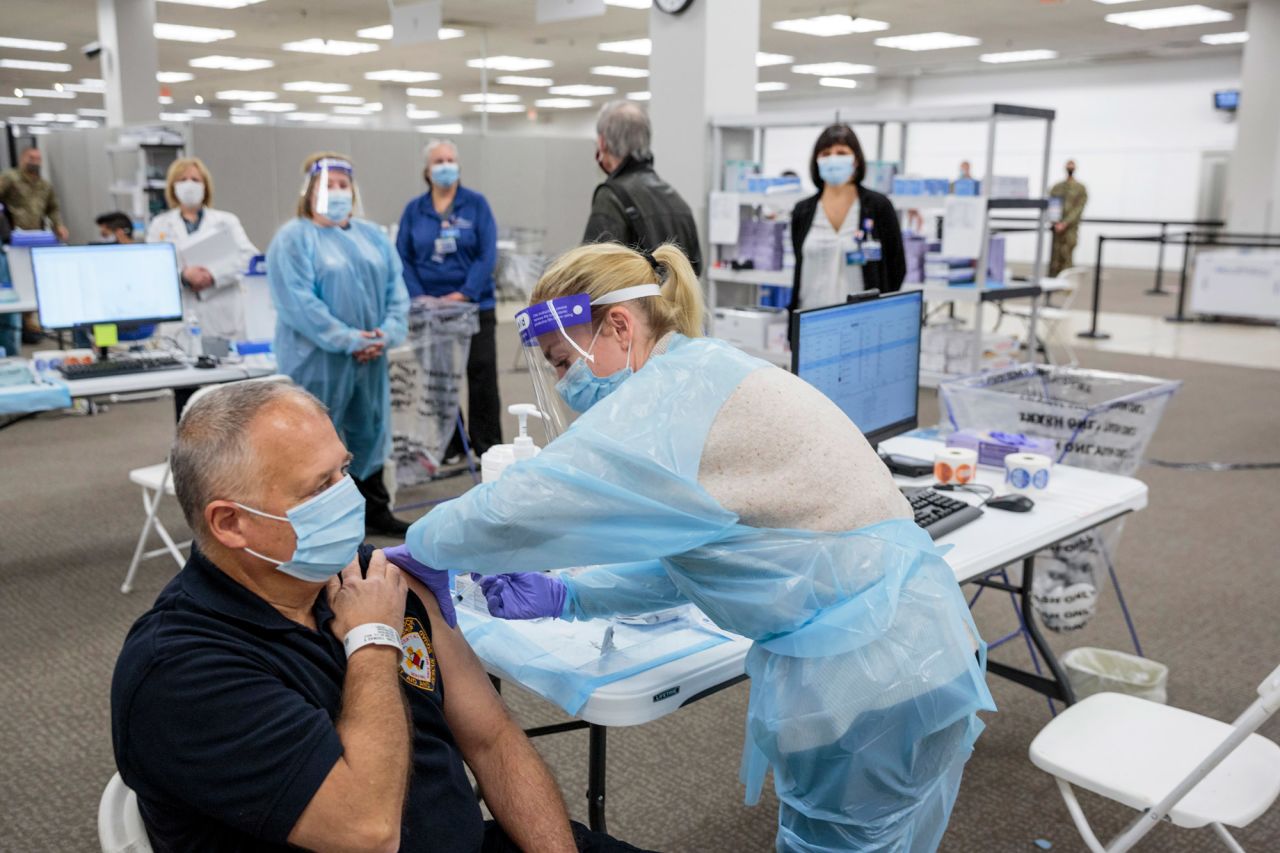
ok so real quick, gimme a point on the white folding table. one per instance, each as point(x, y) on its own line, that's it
point(1077, 501)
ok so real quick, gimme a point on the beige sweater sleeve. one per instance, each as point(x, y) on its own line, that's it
point(780, 454)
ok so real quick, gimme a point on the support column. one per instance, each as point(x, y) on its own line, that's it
point(1253, 184)
point(395, 103)
point(703, 63)
point(129, 60)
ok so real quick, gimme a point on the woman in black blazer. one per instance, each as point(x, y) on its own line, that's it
point(836, 251)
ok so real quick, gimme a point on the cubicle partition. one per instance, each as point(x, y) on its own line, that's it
point(542, 182)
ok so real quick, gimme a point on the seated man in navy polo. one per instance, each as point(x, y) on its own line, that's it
point(276, 698)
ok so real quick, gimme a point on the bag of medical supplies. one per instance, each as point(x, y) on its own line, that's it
point(1095, 419)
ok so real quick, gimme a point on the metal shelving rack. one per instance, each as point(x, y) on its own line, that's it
point(742, 136)
point(139, 159)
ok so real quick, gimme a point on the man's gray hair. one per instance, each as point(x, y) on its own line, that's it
point(437, 143)
point(625, 129)
point(211, 457)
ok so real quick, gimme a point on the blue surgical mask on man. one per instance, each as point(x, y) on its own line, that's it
point(444, 174)
point(339, 206)
point(329, 528)
point(835, 169)
point(582, 389)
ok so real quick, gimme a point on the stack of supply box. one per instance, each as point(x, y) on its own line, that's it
point(761, 242)
point(910, 185)
point(916, 247)
point(939, 269)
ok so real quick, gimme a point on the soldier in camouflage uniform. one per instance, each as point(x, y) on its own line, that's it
point(1067, 229)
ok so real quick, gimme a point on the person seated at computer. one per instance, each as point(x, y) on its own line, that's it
point(864, 685)
point(846, 237)
point(213, 297)
point(276, 698)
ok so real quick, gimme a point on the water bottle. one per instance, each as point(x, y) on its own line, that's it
point(195, 346)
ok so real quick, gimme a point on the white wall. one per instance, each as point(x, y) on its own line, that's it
point(1137, 131)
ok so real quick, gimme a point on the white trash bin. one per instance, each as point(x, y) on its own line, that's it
point(1093, 671)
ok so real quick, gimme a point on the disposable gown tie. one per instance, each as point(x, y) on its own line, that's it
point(864, 679)
point(328, 285)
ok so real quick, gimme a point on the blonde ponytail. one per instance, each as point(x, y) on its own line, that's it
point(601, 268)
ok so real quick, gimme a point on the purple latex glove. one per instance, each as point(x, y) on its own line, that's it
point(436, 580)
point(524, 595)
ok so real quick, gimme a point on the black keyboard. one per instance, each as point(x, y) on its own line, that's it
point(939, 514)
point(121, 367)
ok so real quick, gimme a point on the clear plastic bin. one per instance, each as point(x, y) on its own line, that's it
point(1093, 671)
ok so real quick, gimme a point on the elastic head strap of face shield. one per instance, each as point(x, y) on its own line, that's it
point(636, 291)
point(322, 168)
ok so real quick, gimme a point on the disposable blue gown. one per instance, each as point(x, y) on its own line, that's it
point(864, 679)
point(328, 285)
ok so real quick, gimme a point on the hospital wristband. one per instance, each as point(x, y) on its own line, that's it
point(370, 634)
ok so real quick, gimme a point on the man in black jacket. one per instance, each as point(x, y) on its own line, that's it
point(634, 206)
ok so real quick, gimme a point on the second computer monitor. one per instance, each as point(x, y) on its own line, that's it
point(865, 357)
point(78, 286)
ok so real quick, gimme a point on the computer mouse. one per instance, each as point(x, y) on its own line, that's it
point(206, 362)
point(1012, 503)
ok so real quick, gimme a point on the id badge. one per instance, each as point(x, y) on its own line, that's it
point(446, 245)
point(871, 250)
point(855, 257)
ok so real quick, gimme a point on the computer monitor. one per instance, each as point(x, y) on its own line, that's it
point(865, 357)
point(79, 286)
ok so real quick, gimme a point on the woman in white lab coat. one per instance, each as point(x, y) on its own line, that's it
point(211, 289)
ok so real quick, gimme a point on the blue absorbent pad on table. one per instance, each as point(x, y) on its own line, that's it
point(25, 399)
point(563, 661)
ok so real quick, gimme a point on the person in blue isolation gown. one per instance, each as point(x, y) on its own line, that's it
point(340, 303)
point(697, 473)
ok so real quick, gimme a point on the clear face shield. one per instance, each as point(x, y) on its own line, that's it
point(334, 204)
point(555, 334)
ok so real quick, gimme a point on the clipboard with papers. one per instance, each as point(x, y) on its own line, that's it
point(214, 249)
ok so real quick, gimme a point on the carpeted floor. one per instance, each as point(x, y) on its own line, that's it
point(1199, 569)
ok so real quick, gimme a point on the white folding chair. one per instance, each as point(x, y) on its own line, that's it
point(120, 827)
point(156, 482)
point(1165, 762)
point(1053, 318)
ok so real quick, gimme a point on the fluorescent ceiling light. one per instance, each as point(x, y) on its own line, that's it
point(14, 102)
point(194, 113)
point(316, 87)
point(838, 82)
point(38, 131)
point(230, 63)
point(271, 107)
point(563, 103)
point(34, 65)
point(455, 127)
point(385, 32)
point(400, 75)
point(1225, 38)
point(92, 113)
point(1113, 2)
point(927, 41)
point(510, 63)
point(1170, 16)
point(620, 71)
point(179, 117)
point(33, 44)
point(248, 120)
point(174, 77)
point(414, 92)
point(416, 114)
point(331, 47)
point(362, 110)
point(85, 124)
point(47, 93)
point(629, 4)
point(833, 69)
point(831, 25)
point(639, 96)
point(764, 60)
point(214, 4)
point(310, 117)
point(25, 120)
point(770, 86)
point(498, 108)
point(1019, 56)
point(536, 82)
point(245, 95)
point(635, 47)
point(343, 120)
point(582, 90)
point(87, 88)
point(199, 35)
point(165, 99)
point(349, 100)
point(488, 98)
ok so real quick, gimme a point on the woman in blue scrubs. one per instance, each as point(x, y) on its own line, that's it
point(448, 241)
